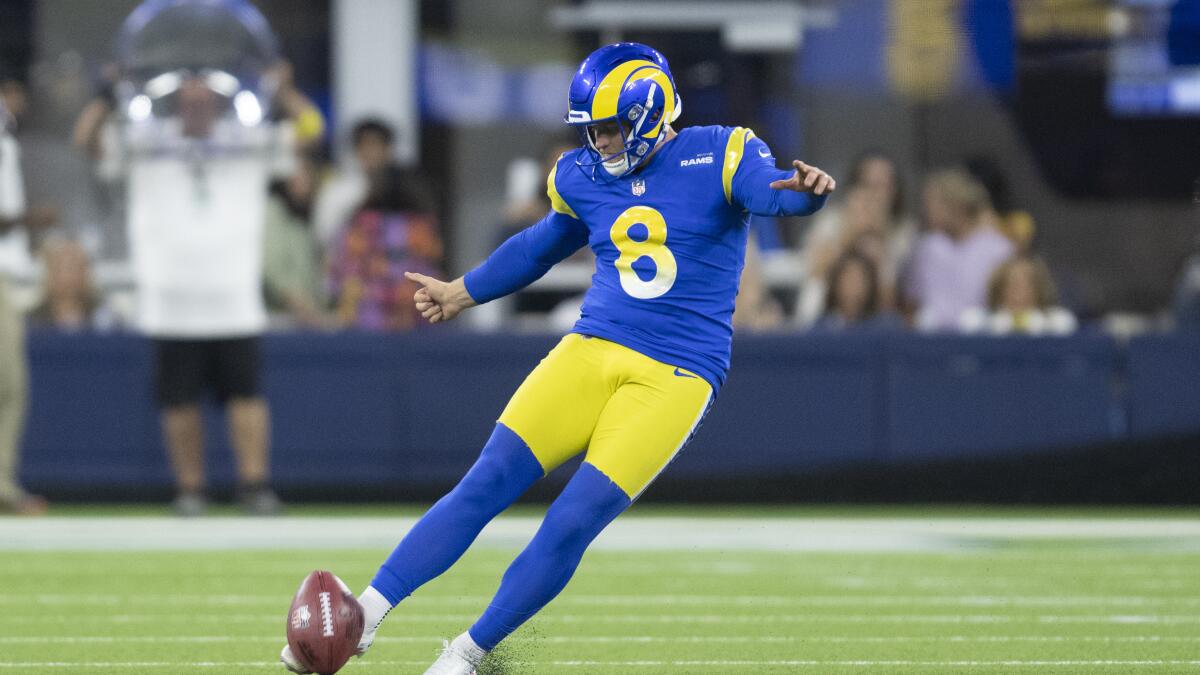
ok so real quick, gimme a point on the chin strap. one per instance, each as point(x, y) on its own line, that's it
point(617, 172)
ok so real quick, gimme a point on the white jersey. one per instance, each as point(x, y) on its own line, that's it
point(195, 214)
point(14, 246)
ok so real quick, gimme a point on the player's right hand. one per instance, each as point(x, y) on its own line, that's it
point(806, 179)
point(440, 300)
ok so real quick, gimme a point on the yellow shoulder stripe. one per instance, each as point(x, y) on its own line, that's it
point(733, 158)
point(556, 201)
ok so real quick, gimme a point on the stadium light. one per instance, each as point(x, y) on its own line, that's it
point(249, 111)
point(140, 108)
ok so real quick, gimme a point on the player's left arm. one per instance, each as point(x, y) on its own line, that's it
point(519, 261)
point(764, 190)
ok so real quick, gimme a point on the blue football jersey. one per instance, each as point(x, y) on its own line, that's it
point(670, 243)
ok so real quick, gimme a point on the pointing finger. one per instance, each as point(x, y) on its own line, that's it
point(420, 278)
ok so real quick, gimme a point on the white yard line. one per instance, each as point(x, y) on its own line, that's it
point(559, 617)
point(635, 533)
point(638, 664)
point(638, 639)
point(688, 600)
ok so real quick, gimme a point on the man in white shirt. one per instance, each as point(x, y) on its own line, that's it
point(14, 257)
point(196, 186)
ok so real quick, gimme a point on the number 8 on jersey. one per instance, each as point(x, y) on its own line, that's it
point(653, 247)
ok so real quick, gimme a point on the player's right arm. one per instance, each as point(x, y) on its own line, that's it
point(520, 261)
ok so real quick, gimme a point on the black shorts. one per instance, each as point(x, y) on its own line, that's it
point(187, 369)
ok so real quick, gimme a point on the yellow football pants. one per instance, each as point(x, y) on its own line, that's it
point(631, 413)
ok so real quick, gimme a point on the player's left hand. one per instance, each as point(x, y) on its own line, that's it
point(807, 179)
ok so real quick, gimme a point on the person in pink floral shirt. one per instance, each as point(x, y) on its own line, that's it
point(393, 231)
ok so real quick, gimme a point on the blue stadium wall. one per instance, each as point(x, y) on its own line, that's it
point(801, 418)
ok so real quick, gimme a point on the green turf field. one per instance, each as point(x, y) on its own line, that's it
point(1117, 595)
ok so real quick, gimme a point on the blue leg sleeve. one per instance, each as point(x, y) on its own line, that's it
point(586, 506)
point(504, 471)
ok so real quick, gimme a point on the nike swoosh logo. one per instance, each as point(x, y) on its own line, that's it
point(763, 152)
point(680, 373)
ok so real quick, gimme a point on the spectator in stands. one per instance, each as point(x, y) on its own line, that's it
point(293, 274)
point(527, 202)
point(337, 201)
point(1021, 299)
point(954, 260)
point(13, 369)
point(394, 231)
point(1185, 306)
point(1012, 222)
point(68, 300)
point(755, 309)
point(14, 98)
point(25, 224)
point(874, 203)
point(853, 300)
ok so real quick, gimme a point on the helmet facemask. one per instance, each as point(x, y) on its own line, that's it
point(640, 120)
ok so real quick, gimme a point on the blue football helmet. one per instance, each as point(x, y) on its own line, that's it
point(628, 84)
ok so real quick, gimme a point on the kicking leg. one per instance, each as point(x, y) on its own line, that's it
point(504, 471)
point(548, 420)
point(586, 506)
point(643, 426)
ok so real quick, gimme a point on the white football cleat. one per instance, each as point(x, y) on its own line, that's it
point(290, 661)
point(364, 643)
point(375, 610)
point(458, 658)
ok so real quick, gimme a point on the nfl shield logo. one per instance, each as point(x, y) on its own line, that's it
point(639, 187)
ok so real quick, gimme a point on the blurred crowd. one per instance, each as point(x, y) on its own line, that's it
point(338, 237)
point(963, 261)
point(228, 214)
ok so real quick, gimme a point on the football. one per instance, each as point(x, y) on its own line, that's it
point(324, 623)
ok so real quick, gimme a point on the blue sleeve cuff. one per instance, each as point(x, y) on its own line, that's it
point(799, 203)
point(755, 194)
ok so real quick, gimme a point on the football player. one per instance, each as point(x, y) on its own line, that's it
point(665, 214)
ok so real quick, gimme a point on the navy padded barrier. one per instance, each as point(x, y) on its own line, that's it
point(355, 409)
point(1164, 385)
point(951, 395)
point(794, 402)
